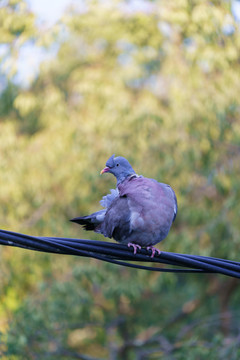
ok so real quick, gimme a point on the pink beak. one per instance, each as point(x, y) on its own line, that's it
point(106, 169)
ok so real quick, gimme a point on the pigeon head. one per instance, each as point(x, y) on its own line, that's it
point(119, 167)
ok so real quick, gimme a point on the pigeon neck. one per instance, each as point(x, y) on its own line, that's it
point(121, 179)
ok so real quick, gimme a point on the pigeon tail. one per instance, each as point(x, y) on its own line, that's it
point(90, 222)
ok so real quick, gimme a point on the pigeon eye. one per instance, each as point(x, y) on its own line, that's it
point(117, 164)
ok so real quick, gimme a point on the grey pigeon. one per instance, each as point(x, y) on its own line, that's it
point(139, 212)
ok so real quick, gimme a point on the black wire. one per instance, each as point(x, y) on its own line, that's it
point(15, 239)
point(120, 254)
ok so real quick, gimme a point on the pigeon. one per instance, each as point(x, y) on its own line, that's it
point(138, 213)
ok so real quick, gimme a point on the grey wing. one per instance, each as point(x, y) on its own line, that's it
point(108, 199)
point(171, 193)
point(116, 222)
point(174, 200)
point(175, 205)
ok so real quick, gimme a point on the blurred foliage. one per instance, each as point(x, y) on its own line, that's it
point(158, 84)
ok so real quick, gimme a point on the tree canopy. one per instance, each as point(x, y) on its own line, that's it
point(158, 84)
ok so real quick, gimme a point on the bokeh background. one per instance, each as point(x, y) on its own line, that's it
point(159, 83)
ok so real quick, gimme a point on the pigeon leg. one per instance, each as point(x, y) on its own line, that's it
point(154, 250)
point(135, 247)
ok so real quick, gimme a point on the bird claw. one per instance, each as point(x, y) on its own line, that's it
point(135, 247)
point(154, 250)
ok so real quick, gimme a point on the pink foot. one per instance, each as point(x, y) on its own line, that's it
point(154, 250)
point(135, 247)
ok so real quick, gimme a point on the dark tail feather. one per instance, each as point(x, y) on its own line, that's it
point(85, 221)
point(90, 222)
